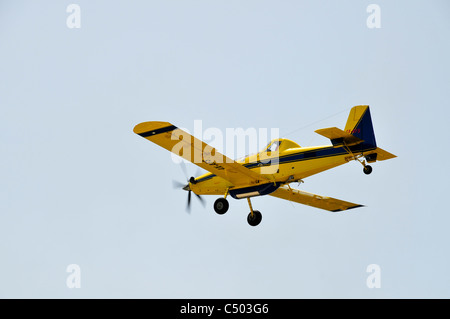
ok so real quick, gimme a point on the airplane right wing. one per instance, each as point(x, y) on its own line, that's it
point(323, 202)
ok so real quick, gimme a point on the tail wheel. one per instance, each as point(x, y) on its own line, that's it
point(367, 169)
point(221, 206)
point(255, 219)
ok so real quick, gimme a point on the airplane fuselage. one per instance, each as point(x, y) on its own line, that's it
point(279, 168)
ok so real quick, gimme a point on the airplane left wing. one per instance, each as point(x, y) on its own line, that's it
point(196, 151)
point(323, 202)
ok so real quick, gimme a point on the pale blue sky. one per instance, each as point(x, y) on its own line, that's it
point(79, 187)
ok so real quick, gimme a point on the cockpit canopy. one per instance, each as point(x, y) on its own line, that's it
point(280, 145)
point(273, 147)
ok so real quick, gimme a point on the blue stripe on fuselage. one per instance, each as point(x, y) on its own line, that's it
point(297, 157)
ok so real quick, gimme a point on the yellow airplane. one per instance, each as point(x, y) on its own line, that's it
point(272, 170)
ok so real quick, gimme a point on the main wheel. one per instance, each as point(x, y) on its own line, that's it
point(256, 219)
point(221, 206)
point(367, 169)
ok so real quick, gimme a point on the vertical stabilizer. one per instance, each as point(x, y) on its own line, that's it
point(359, 124)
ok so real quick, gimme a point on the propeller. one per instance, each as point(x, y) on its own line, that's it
point(186, 187)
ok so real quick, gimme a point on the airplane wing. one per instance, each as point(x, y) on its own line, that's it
point(323, 202)
point(194, 150)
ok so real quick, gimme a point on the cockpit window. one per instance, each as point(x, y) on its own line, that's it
point(274, 146)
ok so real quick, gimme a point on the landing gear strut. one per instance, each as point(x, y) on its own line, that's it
point(367, 168)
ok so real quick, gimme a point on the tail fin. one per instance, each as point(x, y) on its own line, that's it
point(359, 124)
point(358, 135)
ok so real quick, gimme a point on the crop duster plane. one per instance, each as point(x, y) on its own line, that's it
point(271, 171)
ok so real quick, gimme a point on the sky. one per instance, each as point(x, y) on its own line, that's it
point(78, 187)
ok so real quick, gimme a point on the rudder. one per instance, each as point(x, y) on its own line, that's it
point(359, 124)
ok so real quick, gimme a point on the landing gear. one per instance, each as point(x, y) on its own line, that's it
point(221, 206)
point(370, 158)
point(254, 218)
point(367, 169)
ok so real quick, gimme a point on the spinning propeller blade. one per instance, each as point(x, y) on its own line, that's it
point(178, 185)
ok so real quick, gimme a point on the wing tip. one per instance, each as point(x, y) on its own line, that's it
point(150, 126)
point(351, 207)
point(147, 129)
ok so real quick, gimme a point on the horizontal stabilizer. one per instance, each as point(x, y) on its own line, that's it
point(384, 155)
point(379, 155)
point(338, 137)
